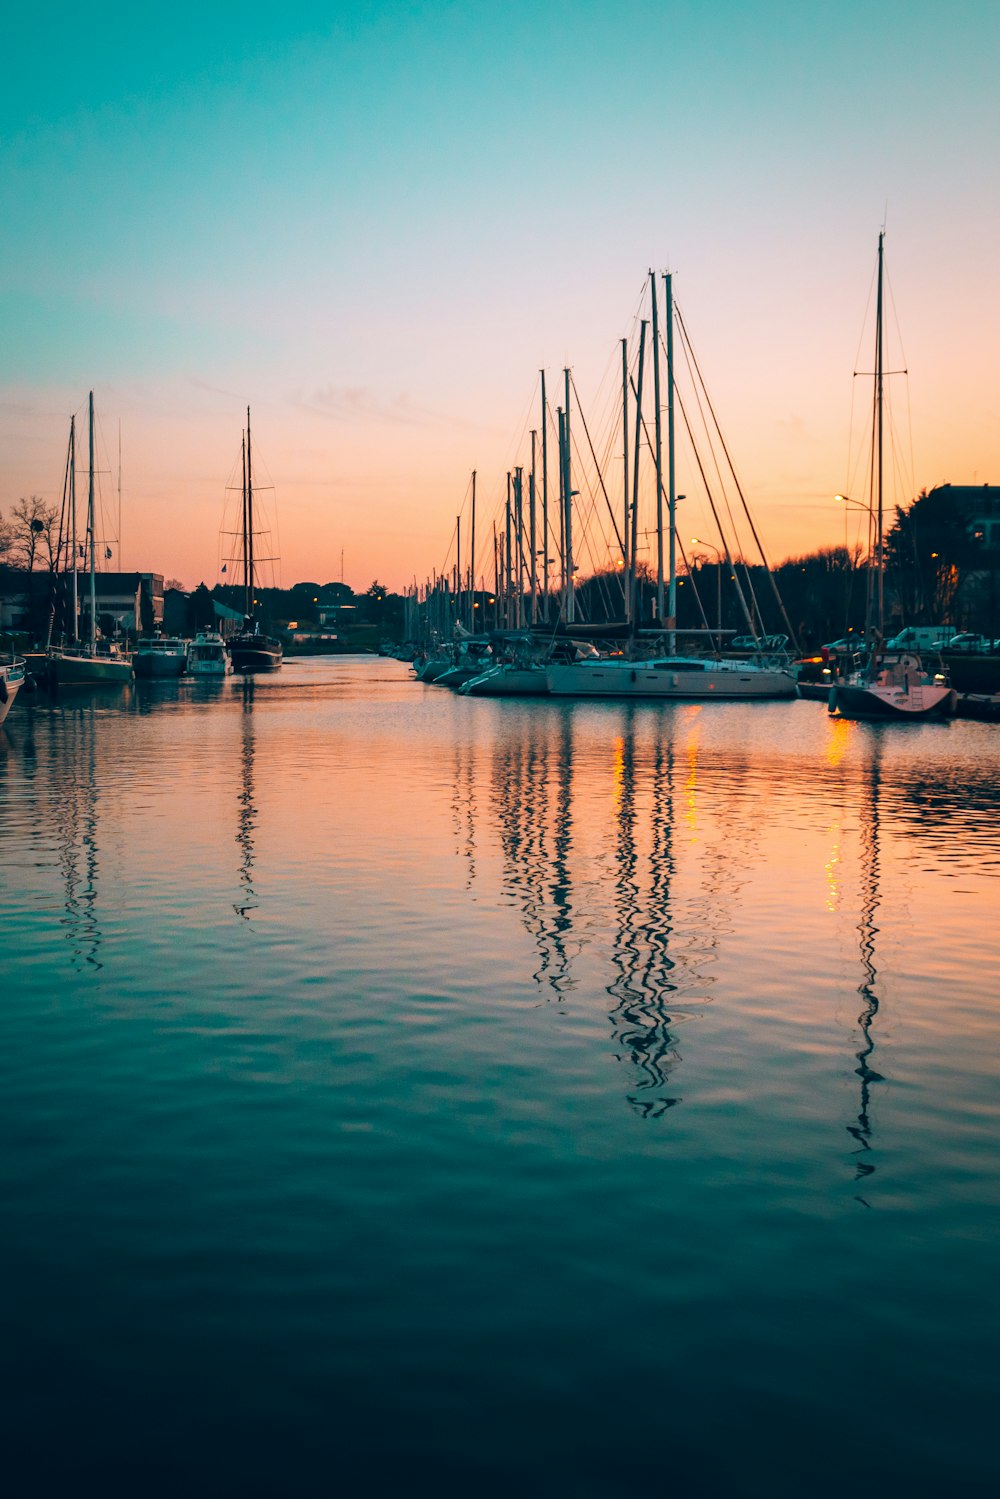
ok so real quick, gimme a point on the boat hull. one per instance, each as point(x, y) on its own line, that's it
point(257, 653)
point(509, 681)
point(876, 702)
point(158, 665)
point(89, 671)
point(667, 680)
point(11, 682)
point(213, 669)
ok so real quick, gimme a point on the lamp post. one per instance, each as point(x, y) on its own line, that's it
point(873, 547)
point(697, 541)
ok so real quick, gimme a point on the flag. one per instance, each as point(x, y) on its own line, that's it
point(225, 567)
point(107, 553)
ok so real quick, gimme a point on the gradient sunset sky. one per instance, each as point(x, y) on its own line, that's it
point(375, 223)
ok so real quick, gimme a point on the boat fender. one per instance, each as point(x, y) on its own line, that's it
point(831, 702)
point(3, 689)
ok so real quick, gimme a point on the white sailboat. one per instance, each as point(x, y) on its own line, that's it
point(666, 675)
point(890, 684)
point(86, 664)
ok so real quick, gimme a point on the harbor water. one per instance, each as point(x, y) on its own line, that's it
point(409, 1093)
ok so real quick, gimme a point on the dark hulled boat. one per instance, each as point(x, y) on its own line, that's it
point(251, 650)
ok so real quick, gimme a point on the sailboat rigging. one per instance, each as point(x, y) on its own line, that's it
point(251, 650)
point(93, 662)
point(890, 684)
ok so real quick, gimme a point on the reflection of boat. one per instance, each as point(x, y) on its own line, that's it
point(11, 682)
point(207, 655)
point(888, 685)
point(251, 650)
point(247, 903)
point(861, 1130)
point(92, 663)
point(160, 656)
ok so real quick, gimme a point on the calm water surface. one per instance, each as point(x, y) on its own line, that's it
point(406, 1093)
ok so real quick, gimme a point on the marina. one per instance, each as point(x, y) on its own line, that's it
point(439, 1090)
point(499, 853)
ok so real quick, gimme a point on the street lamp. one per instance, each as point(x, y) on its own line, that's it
point(697, 541)
point(845, 499)
point(874, 549)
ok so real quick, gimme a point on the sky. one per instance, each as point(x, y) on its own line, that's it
point(374, 224)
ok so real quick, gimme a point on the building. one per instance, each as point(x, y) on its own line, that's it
point(133, 600)
point(979, 504)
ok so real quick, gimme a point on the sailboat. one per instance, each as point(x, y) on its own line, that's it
point(89, 663)
point(665, 675)
point(251, 650)
point(890, 684)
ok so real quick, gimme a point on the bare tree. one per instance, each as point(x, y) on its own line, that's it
point(33, 524)
point(6, 538)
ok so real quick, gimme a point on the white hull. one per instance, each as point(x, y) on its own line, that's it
point(11, 682)
point(208, 657)
point(212, 669)
point(669, 677)
point(509, 681)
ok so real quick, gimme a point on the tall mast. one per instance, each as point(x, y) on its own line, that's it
point(519, 532)
point(472, 560)
point(568, 496)
point(671, 476)
point(545, 500)
point(90, 526)
point(635, 611)
point(458, 569)
point(249, 518)
point(72, 523)
point(508, 571)
point(880, 618)
point(534, 542)
point(659, 451)
point(120, 498)
point(626, 590)
point(246, 563)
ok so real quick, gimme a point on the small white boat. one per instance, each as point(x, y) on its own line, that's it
point(207, 656)
point(11, 681)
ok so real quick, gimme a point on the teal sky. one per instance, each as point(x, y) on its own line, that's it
point(376, 223)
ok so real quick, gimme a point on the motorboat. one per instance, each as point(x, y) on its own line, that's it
point(207, 656)
point(160, 656)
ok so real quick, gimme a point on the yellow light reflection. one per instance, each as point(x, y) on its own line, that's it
point(618, 772)
point(691, 785)
point(837, 740)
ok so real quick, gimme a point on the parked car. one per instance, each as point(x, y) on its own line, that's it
point(966, 641)
point(849, 643)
